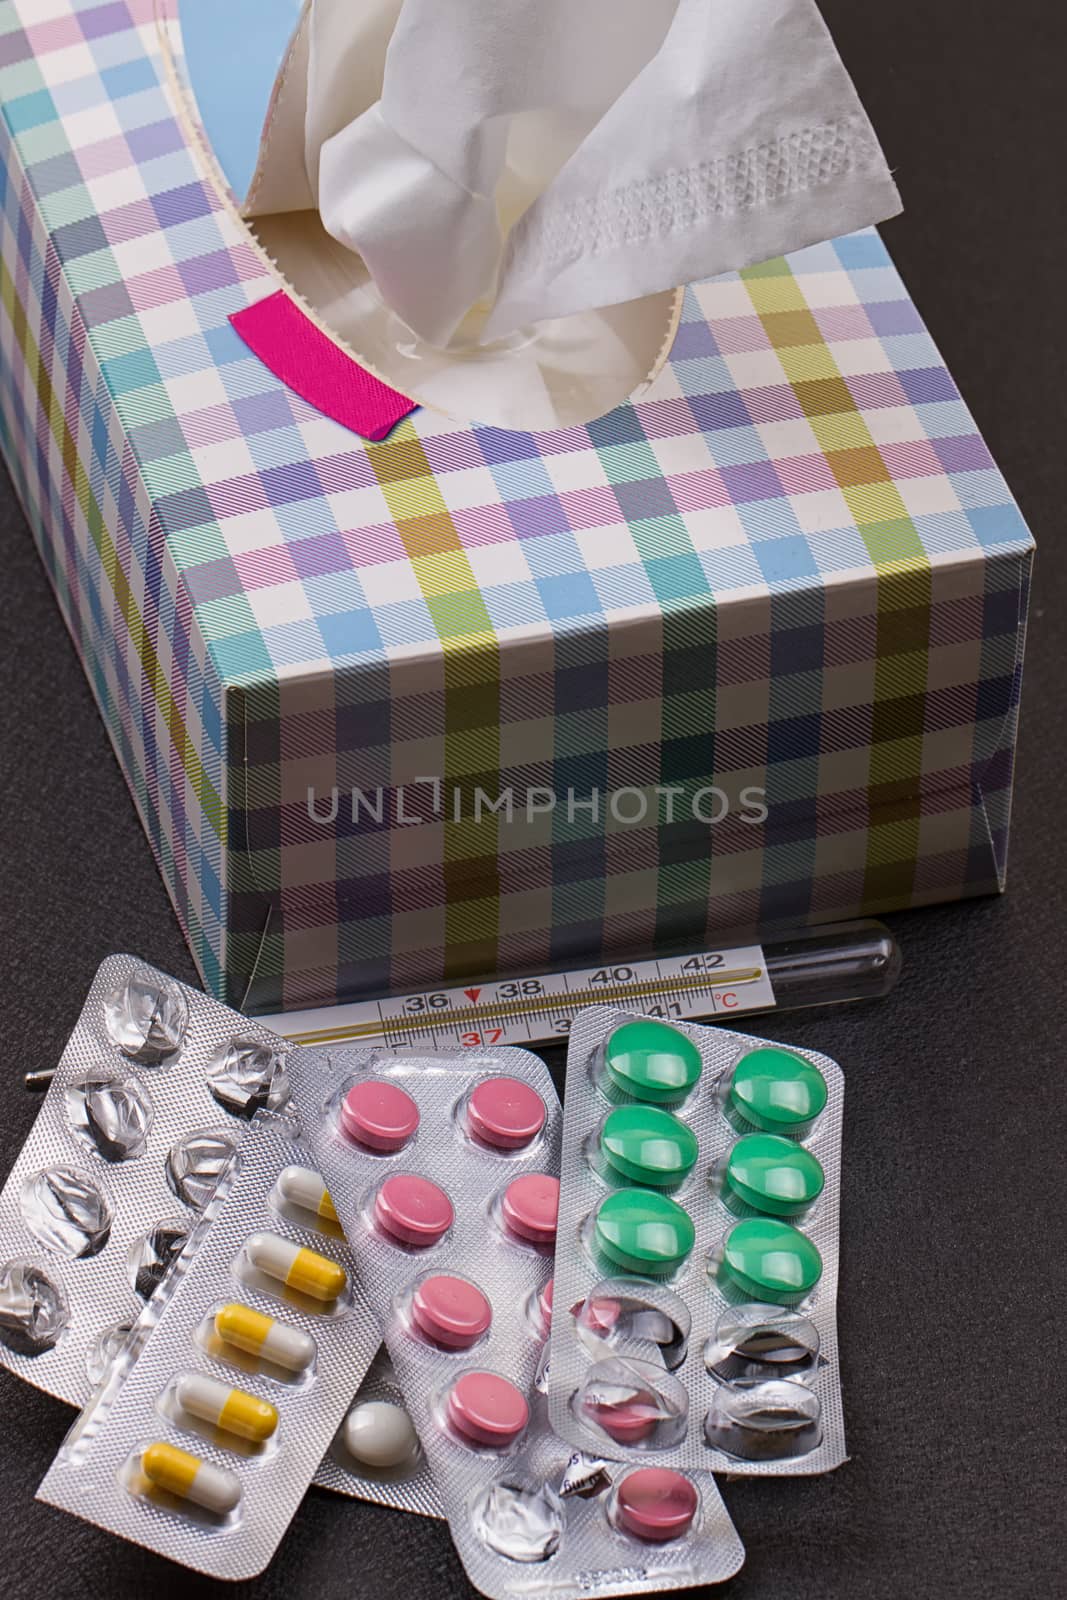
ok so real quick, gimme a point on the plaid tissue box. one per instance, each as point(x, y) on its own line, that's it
point(743, 654)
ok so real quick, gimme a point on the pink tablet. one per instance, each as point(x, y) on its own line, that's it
point(487, 1409)
point(530, 1207)
point(656, 1504)
point(412, 1209)
point(379, 1115)
point(505, 1113)
point(599, 1315)
point(628, 1421)
point(450, 1311)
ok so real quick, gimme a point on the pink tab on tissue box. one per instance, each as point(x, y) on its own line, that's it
point(298, 352)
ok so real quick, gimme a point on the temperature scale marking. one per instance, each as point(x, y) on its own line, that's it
point(528, 1010)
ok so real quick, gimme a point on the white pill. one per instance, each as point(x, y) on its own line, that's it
point(380, 1434)
point(302, 1187)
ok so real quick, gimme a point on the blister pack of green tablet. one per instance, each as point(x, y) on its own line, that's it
point(696, 1261)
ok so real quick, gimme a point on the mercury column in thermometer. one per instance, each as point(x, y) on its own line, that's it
point(815, 966)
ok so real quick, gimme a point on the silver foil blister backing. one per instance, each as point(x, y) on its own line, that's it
point(95, 1472)
point(536, 1516)
point(707, 1379)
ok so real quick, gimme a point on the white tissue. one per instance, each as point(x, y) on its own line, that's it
point(497, 163)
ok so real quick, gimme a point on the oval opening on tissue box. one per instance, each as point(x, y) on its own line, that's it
point(558, 374)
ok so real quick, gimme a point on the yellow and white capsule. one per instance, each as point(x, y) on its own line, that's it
point(233, 1410)
point(260, 1335)
point(302, 1187)
point(190, 1478)
point(296, 1266)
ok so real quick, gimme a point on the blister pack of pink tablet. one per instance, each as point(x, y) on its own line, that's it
point(444, 1173)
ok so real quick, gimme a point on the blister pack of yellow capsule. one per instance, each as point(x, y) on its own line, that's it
point(443, 1169)
point(694, 1318)
point(208, 1429)
point(144, 1114)
point(375, 1453)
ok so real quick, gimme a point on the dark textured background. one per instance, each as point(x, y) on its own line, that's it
point(953, 1285)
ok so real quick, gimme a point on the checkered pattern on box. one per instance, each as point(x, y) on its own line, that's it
point(102, 546)
point(793, 565)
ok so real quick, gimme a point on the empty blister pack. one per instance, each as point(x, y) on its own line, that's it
point(143, 1115)
point(696, 1270)
point(204, 1437)
point(443, 1169)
